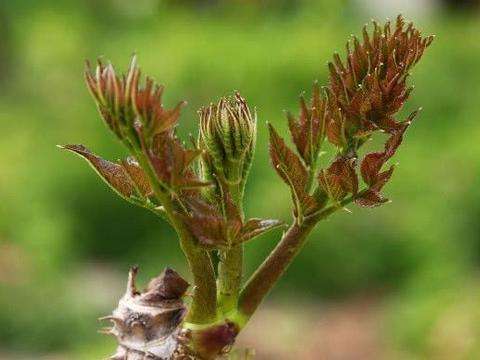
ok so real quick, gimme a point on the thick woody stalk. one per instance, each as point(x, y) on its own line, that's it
point(204, 301)
point(227, 133)
point(365, 92)
point(199, 190)
point(230, 268)
point(263, 280)
point(272, 269)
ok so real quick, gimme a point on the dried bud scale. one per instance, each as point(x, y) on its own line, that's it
point(147, 324)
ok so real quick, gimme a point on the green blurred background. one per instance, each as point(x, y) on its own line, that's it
point(398, 282)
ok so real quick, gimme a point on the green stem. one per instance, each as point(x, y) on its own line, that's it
point(230, 267)
point(230, 270)
point(203, 308)
point(262, 281)
point(312, 172)
point(268, 273)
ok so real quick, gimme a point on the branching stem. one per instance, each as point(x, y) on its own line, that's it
point(204, 302)
point(268, 273)
point(230, 268)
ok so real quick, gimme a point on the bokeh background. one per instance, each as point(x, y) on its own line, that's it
point(397, 282)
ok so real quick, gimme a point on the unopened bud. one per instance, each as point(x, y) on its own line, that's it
point(113, 93)
point(126, 105)
point(228, 134)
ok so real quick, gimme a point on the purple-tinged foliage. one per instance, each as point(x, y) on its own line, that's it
point(369, 86)
point(364, 94)
point(339, 180)
point(126, 178)
point(227, 134)
point(217, 230)
point(199, 190)
point(308, 130)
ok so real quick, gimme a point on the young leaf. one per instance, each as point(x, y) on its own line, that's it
point(112, 94)
point(370, 85)
point(308, 130)
point(113, 174)
point(370, 198)
point(137, 176)
point(211, 228)
point(172, 162)
point(290, 168)
point(148, 107)
point(256, 227)
point(372, 164)
point(339, 179)
point(335, 130)
point(370, 167)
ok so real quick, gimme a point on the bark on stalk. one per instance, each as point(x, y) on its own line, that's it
point(230, 271)
point(230, 268)
point(150, 325)
point(204, 301)
point(266, 276)
point(272, 268)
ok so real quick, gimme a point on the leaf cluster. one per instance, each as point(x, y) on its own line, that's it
point(161, 166)
point(365, 92)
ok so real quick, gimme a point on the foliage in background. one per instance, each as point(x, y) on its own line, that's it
point(419, 248)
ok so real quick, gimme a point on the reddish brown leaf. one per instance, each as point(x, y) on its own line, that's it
point(122, 101)
point(370, 198)
point(256, 227)
point(370, 85)
point(310, 204)
point(382, 178)
point(339, 179)
point(113, 174)
point(396, 138)
point(206, 224)
point(172, 162)
point(370, 167)
point(335, 125)
point(210, 227)
point(112, 94)
point(148, 106)
point(372, 163)
point(308, 130)
point(210, 231)
point(287, 164)
point(137, 175)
